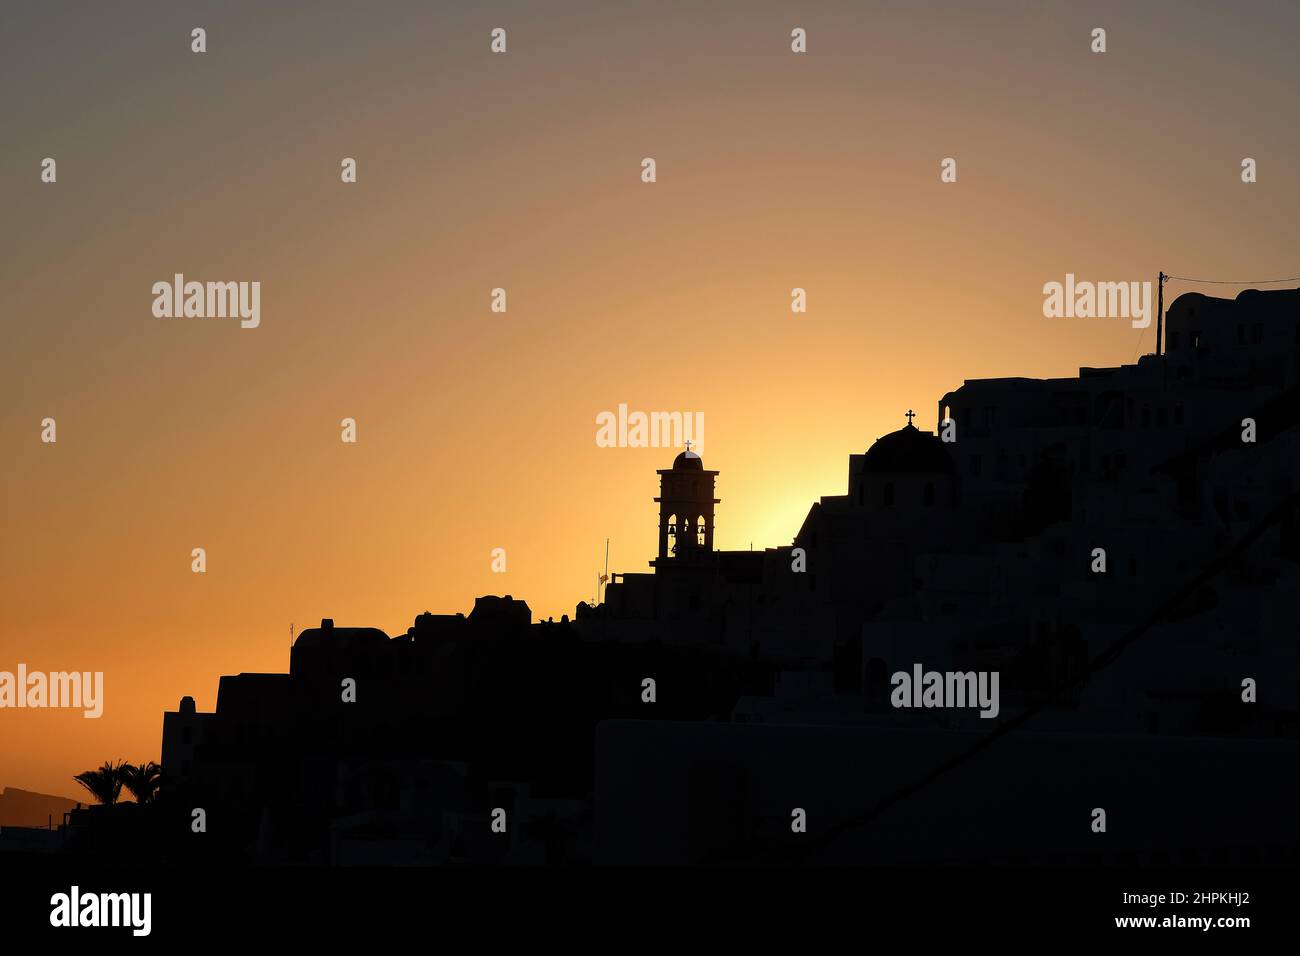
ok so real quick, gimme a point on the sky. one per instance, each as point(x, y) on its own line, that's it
point(475, 429)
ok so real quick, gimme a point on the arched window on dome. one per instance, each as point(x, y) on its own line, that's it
point(700, 532)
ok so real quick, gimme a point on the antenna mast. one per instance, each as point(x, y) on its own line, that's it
point(604, 578)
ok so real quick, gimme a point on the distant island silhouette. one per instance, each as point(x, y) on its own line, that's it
point(26, 808)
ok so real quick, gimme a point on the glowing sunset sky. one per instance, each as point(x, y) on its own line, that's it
point(477, 430)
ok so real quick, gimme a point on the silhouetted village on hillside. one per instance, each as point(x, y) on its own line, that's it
point(692, 714)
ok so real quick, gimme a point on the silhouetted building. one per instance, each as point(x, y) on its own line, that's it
point(1040, 523)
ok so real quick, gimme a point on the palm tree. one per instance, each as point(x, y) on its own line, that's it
point(104, 784)
point(142, 780)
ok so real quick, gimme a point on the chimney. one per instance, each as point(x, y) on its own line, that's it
point(327, 624)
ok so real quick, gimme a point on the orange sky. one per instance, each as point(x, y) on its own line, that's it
point(477, 430)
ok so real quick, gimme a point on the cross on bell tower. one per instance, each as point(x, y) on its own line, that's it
point(910, 415)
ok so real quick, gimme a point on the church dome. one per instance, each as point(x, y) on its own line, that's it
point(688, 461)
point(908, 450)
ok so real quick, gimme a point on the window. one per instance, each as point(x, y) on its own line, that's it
point(1257, 333)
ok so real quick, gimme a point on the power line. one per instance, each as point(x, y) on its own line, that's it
point(1137, 347)
point(1235, 281)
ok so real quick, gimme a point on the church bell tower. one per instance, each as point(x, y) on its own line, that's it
point(685, 509)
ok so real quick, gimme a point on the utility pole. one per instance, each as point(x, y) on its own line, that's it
point(1160, 327)
point(1160, 314)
